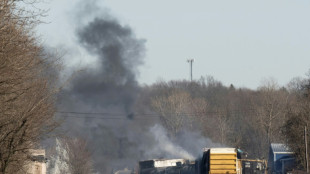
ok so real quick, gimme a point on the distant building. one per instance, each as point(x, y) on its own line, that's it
point(38, 162)
point(281, 158)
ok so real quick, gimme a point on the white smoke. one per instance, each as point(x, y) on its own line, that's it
point(57, 163)
point(165, 147)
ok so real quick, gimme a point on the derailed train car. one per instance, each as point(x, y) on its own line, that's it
point(250, 166)
point(167, 166)
point(213, 161)
point(220, 160)
point(229, 160)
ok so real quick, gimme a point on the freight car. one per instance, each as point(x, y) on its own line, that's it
point(213, 161)
point(229, 160)
point(167, 166)
point(220, 160)
point(250, 166)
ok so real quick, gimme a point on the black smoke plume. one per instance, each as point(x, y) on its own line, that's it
point(109, 87)
point(119, 54)
point(116, 137)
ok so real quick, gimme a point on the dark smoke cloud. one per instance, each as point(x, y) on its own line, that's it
point(111, 87)
point(119, 54)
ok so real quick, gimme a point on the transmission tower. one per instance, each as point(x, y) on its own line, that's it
point(190, 61)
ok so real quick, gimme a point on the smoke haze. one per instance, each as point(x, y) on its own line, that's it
point(111, 87)
point(166, 146)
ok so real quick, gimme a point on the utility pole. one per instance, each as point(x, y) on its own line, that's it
point(191, 67)
point(306, 144)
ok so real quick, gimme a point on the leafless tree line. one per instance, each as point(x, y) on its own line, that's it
point(243, 118)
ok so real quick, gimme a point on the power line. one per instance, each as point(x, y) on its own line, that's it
point(119, 116)
point(154, 114)
point(106, 114)
point(96, 117)
point(90, 113)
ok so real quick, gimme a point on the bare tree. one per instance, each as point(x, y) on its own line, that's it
point(79, 156)
point(172, 110)
point(177, 109)
point(273, 104)
point(26, 94)
point(72, 156)
point(223, 125)
point(299, 117)
point(269, 106)
point(198, 109)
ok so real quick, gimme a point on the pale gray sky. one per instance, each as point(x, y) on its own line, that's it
point(236, 41)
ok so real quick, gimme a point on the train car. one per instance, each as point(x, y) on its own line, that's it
point(250, 166)
point(213, 161)
point(167, 166)
point(220, 160)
